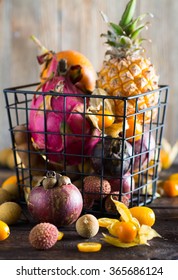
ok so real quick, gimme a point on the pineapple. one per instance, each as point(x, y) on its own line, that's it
point(128, 72)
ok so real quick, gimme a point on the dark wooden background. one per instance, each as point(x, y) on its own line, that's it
point(77, 24)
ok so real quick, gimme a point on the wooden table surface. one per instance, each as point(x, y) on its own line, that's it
point(17, 246)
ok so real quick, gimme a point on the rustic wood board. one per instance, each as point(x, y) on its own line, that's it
point(77, 24)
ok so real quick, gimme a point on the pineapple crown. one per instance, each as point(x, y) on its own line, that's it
point(123, 38)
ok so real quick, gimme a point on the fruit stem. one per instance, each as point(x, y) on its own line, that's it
point(46, 80)
point(38, 43)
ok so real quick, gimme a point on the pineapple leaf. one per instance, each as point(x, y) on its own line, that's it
point(128, 13)
point(132, 26)
point(117, 29)
point(109, 35)
point(105, 18)
point(136, 32)
point(125, 41)
point(112, 44)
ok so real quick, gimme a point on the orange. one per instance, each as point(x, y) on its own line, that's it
point(88, 79)
point(89, 246)
point(126, 231)
point(171, 188)
point(10, 180)
point(4, 231)
point(134, 130)
point(143, 214)
point(105, 118)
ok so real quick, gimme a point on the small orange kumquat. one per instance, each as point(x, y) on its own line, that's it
point(4, 231)
point(171, 188)
point(144, 215)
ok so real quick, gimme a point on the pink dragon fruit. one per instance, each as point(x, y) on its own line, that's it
point(57, 122)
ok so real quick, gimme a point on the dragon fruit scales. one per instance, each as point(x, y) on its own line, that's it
point(57, 122)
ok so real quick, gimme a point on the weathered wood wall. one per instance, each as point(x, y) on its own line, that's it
point(77, 24)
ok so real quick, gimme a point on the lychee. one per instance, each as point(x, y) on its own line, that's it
point(43, 236)
point(96, 186)
point(94, 189)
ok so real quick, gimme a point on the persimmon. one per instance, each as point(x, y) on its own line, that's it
point(126, 231)
point(143, 214)
point(88, 80)
point(171, 188)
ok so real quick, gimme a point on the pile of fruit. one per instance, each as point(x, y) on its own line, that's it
point(95, 128)
point(89, 141)
point(132, 228)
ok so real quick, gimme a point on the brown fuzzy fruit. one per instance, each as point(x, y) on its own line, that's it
point(10, 212)
point(87, 226)
point(13, 190)
point(43, 236)
point(4, 196)
point(95, 188)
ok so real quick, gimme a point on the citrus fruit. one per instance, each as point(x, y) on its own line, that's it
point(171, 188)
point(174, 177)
point(89, 246)
point(143, 214)
point(4, 231)
point(60, 235)
point(10, 180)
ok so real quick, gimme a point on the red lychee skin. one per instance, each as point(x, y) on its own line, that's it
point(92, 185)
point(43, 236)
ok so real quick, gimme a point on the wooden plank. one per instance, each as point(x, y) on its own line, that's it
point(77, 24)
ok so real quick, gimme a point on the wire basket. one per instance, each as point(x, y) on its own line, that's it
point(122, 160)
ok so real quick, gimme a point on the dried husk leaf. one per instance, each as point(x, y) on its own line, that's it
point(116, 242)
point(146, 233)
point(105, 222)
point(113, 228)
point(115, 129)
point(123, 210)
point(97, 103)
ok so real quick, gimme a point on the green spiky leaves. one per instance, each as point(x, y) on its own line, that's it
point(125, 35)
point(128, 13)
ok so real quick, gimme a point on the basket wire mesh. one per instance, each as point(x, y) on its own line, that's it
point(137, 186)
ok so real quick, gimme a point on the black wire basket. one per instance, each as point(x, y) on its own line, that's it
point(121, 160)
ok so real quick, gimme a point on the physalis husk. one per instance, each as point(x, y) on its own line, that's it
point(144, 232)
